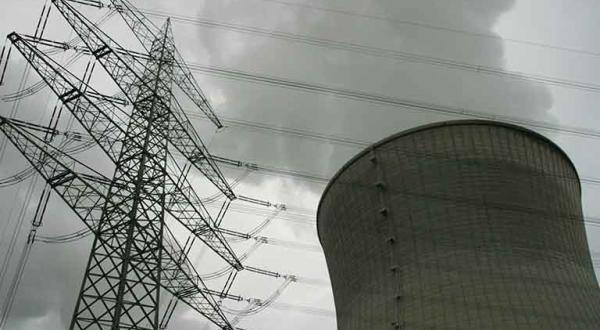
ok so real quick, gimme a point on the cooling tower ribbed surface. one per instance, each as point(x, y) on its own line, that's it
point(459, 225)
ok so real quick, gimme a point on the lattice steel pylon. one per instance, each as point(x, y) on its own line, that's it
point(134, 255)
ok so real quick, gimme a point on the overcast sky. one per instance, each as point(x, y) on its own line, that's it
point(343, 44)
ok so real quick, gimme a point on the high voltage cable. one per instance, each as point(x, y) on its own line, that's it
point(297, 217)
point(67, 238)
point(311, 220)
point(380, 52)
point(234, 183)
point(294, 218)
point(12, 291)
point(15, 107)
point(255, 125)
point(257, 305)
point(316, 178)
point(358, 95)
point(85, 232)
point(433, 27)
point(303, 309)
point(329, 138)
point(323, 180)
point(14, 285)
point(260, 227)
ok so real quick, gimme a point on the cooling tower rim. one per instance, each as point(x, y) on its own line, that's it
point(459, 122)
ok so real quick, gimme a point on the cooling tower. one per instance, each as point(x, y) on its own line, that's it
point(459, 225)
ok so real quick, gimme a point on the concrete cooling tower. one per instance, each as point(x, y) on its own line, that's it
point(459, 225)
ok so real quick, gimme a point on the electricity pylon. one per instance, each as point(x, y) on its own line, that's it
point(134, 255)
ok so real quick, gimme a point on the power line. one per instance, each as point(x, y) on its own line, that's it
point(308, 134)
point(303, 309)
point(429, 26)
point(311, 219)
point(12, 290)
point(297, 218)
point(362, 96)
point(381, 52)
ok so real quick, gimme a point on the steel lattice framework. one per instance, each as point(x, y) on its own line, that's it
point(134, 255)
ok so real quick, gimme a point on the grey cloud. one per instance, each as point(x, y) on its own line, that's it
point(54, 275)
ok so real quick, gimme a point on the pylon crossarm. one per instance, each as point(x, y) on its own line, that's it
point(146, 32)
point(64, 46)
point(143, 28)
point(184, 138)
point(180, 278)
point(122, 66)
point(185, 205)
point(124, 69)
point(187, 83)
point(103, 120)
point(82, 188)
